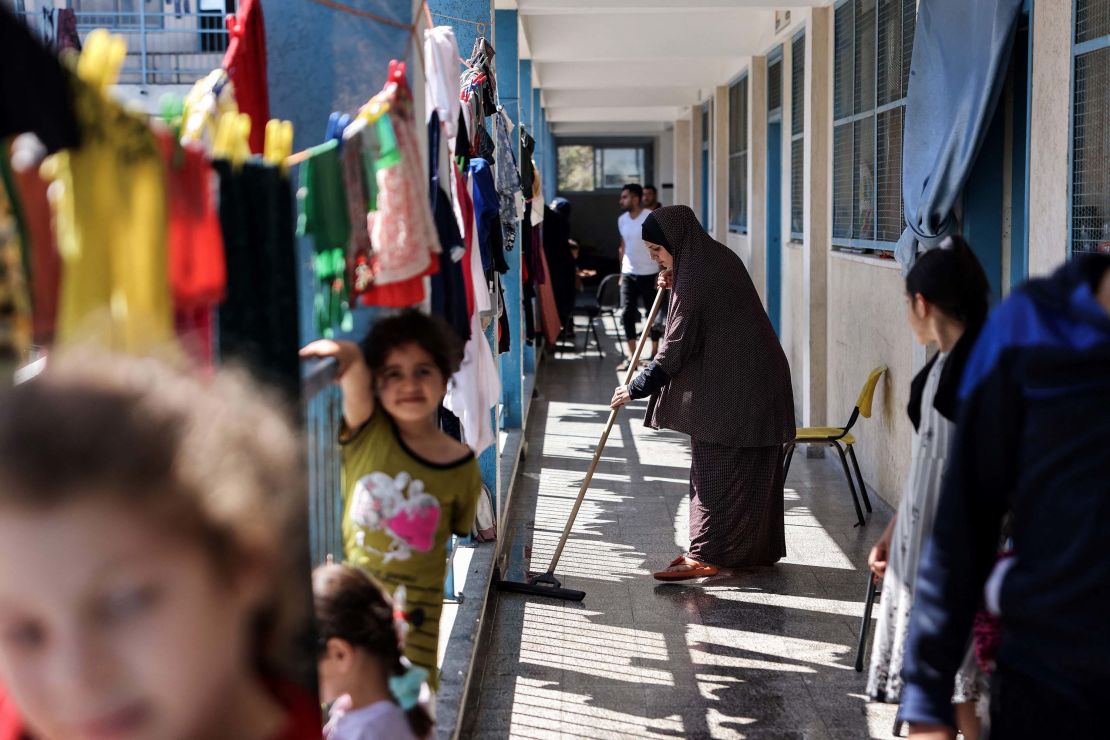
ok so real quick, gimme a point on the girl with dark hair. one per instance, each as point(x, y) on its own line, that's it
point(407, 485)
point(946, 293)
point(361, 668)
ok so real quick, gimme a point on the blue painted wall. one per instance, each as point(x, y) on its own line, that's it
point(469, 18)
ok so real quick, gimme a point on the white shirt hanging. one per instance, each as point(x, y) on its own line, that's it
point(442, 68)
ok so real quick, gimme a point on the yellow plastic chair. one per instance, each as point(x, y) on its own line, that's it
point(842, 440)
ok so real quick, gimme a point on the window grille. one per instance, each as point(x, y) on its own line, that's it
point(872, 50)
point(738, 155)
point(774, 85)
point(1090, 165)
point(797, 128)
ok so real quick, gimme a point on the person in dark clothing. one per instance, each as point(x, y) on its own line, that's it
point(1031, 441)
point(560, 259)
point(651, 198)
point(721, 377)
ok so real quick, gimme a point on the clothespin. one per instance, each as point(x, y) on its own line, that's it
point(279, 142)
point(374, 109)
point(102, 59)
point(396, 71)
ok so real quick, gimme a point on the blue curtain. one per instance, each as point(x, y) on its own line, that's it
point(961, 51)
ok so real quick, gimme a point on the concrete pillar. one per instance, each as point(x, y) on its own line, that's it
point(512, 366)
point(682, 169)
point(817, 211)
point(757, 173)
point(719, 158)
point(1049, 146)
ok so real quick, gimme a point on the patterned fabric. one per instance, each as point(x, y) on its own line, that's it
point(730, 381)
point(402, 230)
point(737, 515)
point(508, 180)
point(915, 522)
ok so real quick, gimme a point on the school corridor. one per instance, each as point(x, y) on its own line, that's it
point(759, 653)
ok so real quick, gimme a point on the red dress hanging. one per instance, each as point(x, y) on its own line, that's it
point(245, 62)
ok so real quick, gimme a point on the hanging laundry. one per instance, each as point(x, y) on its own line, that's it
point(487, 206)
point(110, 211)
point(358, 206)
point(449, 293)
point(402, 233)
point(198, 276)
point(508, 179)
point(245, 62)
point(258, 320)
point(208, 100)
point(323, 216)
point(34, 89)
point(39, 242)
point(527, 171)
point(441, 69)
point(475, 389)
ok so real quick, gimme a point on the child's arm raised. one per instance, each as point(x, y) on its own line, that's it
point(353, 376)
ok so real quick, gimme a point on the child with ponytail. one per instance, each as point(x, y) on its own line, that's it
point(373, 690)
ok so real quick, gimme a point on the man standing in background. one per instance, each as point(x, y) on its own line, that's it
point(638, 271)
point(651, 198)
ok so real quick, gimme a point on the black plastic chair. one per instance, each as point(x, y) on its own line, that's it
point(595, 306)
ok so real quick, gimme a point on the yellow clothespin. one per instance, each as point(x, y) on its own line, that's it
point(241, 131)
point(100, 62)
point(374, 109)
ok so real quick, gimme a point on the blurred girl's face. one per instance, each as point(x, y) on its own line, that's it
point(917, 313)
point(111, 628)
point(410, 385)
point(660, 255)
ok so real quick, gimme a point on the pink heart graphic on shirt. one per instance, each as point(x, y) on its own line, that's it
point(416, 525)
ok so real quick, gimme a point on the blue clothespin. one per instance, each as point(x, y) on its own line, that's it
point(337, 124)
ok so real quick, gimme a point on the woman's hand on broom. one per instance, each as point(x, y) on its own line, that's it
point(665, 279)
point(621, 397)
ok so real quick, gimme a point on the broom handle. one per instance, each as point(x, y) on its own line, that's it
point(605, 436)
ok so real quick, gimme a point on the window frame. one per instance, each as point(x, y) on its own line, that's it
point(873, 113)
point(742, 83)
point(645, 145)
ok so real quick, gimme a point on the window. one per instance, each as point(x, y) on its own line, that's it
point(117, 14)
point(872, 51)
point(1090, 165)
point(797, 136)
point(738, 156)
point(588, 167)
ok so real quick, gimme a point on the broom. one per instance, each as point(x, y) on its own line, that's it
point(546, 584)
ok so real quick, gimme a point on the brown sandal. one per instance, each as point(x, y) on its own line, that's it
point(696, 570)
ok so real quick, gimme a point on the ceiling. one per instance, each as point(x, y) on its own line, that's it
point(635, 66)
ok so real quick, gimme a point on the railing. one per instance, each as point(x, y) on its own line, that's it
point(174, 48)
point(323, 410)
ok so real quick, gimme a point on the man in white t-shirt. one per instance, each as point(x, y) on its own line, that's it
point(638, 271)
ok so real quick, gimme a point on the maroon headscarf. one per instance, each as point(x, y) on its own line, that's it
point(730, 381)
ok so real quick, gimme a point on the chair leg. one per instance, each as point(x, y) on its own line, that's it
point(586, 336)
point(600, 349)
point(789, 457)
point(859, 478)
point(865, 625)
point(851, 485)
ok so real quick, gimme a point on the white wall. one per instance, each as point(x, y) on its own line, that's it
point(664, 166)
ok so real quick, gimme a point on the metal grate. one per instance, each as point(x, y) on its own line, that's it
point(864, 91)
point(844, 66)
point(889, 51)
point(774, 85)
point(1092, 20)
point(797, 85)
point(842, 181)
point(888, 181)
point(863, 179)
point(797, 183)
point(909, 28)
point(738, 154)
point(1090, 218)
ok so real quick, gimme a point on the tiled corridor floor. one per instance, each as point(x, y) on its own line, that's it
point(761, 653)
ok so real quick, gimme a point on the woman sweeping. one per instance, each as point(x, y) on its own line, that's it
point(721, 377)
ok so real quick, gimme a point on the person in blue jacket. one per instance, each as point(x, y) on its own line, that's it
point(1031, 441)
